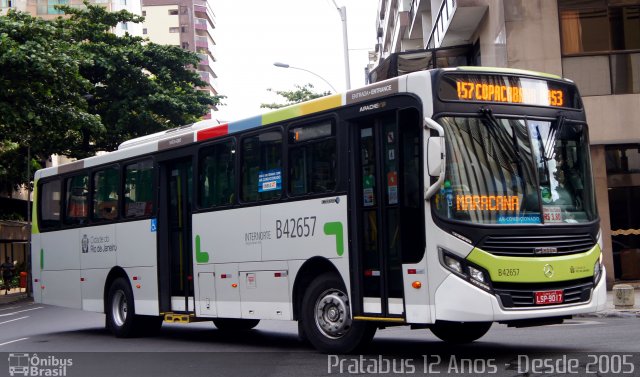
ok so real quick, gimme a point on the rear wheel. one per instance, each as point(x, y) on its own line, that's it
point(120, 309)
point(235, 323)
point(326, 317)
point(121, 319)
point(460, 332)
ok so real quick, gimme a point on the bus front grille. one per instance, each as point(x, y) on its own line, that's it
point(522, 295)
point(537, 245)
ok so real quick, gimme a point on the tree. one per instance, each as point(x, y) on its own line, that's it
point(41, 102)
point(301, 94)
point(138, 87)
point(72, 87)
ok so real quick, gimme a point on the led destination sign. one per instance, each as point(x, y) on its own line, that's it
point(508, 90)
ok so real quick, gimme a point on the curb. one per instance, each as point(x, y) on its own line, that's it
point(8, 299)
point(631, 313)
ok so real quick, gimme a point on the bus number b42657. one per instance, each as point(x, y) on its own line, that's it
point(296, 227)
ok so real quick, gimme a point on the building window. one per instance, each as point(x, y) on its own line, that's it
point(144, 13)
point(173, 12)
point(601, 36)
point(174, 30)
point(144, 30)
point(48, 6)
point(124, 26)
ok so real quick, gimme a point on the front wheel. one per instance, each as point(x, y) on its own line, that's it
point(235, 324)
point(460, 332)
point(326, 317)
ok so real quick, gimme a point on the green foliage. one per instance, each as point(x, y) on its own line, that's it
point(72, 87)
point(300, 94)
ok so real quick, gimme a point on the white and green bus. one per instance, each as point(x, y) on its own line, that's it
point(446, 199)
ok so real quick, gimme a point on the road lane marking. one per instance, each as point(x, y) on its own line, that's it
point(15, 319)
point(12, 341)
point(9, 308)
point(20, 311)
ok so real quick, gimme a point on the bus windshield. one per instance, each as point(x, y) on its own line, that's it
point(516, 171)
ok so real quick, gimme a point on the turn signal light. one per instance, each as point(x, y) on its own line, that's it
point(234, 285)
point(416, 284)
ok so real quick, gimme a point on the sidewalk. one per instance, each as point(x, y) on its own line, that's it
point(611, 312)
point(16, 294)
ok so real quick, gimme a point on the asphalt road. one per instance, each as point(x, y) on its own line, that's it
point(600, 346)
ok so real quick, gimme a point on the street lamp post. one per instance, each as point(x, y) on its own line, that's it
point(345, 42)
point(285, 65)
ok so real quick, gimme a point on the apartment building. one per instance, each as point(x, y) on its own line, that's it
point(188, 24)
point(596, 43)
point(46, 9)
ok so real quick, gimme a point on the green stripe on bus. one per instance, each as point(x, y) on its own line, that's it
point(34, 210)
point(41, 259)
point(201, 256)
point(532, 269)
point(335, 229)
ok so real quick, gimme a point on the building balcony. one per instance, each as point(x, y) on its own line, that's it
point(455, 23)
point(203, 11)
point(204, 45)
point(209, 79)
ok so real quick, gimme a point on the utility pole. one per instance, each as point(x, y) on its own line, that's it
point(345, 42)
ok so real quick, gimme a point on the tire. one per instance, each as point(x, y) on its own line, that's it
point(235, 324)
point(460, 332)
point(326, 317)
point(121, 319)
point(120, 309)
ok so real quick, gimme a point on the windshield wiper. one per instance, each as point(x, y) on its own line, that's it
point(555, 130)
point(490, 120)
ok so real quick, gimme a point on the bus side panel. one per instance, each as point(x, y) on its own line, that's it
point(60, 275)
point(92, 282)
point(264, 290)
point(301, 230)
point(144, 283)
point(98, 246)
point(226, 236)
point(61, 288)
point(36, 271)
point(137, 244)
point(60, 252)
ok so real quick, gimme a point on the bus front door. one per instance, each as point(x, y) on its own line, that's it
point(175, 259)
point(388, 207)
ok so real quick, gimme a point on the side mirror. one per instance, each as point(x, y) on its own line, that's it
point(434, 155)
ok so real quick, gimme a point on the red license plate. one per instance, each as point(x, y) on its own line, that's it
point(549, 297)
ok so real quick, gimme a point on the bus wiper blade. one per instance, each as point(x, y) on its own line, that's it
point(554, 131)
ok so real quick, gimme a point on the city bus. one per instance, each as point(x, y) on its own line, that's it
point(447, 200)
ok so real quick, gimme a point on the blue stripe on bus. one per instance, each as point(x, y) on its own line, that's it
point(245, 124)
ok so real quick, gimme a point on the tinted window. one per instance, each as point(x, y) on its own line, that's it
point(217, 175)
point(138, 189)
point(312, 156)
point(50, 204)
point(77, 205)
point(262, 166)
point(105, 194)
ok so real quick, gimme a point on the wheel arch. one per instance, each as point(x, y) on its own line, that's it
point(116, 272)
point(310, 270)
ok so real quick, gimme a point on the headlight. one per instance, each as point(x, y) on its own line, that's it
point(597, 272)
point(452, 264)
point(465, 270)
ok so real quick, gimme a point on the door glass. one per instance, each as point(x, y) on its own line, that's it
point(370, 251)
point(180, 193)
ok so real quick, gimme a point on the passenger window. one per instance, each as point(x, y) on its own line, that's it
point(217, 175)
point(312, 159)
point(105, 194)
point(76, 199)
point(262, 166)
point(138, 189)
point(50, 204)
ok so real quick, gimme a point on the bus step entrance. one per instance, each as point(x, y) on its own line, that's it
point(177, 318)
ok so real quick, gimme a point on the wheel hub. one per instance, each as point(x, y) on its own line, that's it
point(332, 313)
point(119, 308)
